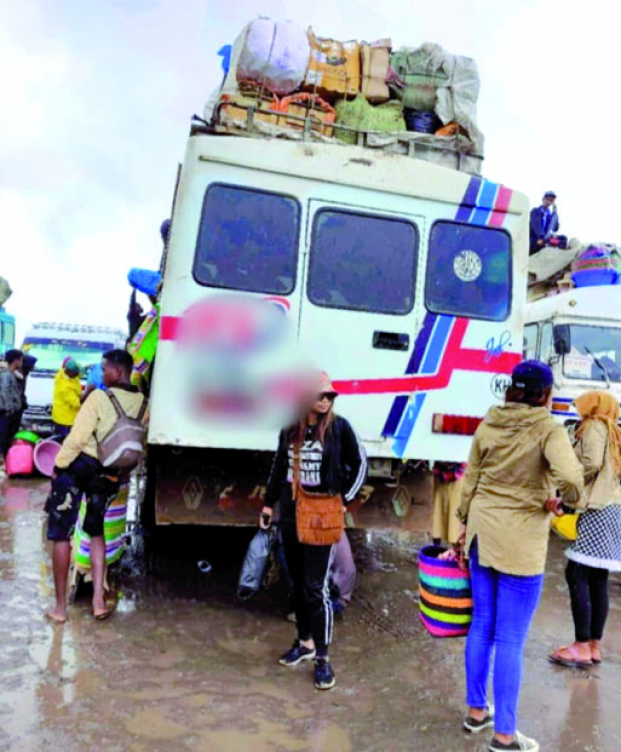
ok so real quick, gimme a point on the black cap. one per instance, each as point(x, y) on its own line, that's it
point(532, 375)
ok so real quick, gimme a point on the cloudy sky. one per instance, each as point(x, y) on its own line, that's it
point(96, 98)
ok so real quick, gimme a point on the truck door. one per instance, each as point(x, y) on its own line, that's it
point(358, 316)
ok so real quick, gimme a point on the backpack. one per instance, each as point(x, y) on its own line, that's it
point(122, 447)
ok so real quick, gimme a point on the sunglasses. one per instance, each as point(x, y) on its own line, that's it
point(326, 395)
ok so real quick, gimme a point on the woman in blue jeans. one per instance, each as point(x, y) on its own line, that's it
point(518, 454)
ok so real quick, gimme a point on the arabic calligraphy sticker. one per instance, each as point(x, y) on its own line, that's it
point(467, 266)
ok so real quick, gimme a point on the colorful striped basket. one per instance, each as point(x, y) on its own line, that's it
point(445, 595)
point(115, 521)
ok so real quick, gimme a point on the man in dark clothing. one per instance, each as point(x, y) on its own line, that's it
point(10, 402)
point(28, 365)
point(543, 222)
point(135, 316)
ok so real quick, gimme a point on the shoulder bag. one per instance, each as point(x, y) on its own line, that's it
point(320, 518)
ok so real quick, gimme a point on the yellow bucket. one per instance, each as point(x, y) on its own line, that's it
point(566, 526)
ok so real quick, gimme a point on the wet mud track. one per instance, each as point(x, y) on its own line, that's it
point(183, 665)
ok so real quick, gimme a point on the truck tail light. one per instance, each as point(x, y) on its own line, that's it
point(463, 425)
point(564, 407)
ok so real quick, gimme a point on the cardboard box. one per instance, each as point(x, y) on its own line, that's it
point(231, 114)
point(375, 65)
point(334, 67)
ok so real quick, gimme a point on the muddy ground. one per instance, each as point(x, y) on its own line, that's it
point(182, 664)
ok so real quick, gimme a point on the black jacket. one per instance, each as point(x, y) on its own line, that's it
point(343, 467)
point(536, 230)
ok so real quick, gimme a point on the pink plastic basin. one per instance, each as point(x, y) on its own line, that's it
point(45, 456)
point(19, 459)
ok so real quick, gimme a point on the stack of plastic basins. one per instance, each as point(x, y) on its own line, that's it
point(594, 267)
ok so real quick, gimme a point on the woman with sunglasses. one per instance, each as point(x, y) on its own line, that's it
point(332, 460)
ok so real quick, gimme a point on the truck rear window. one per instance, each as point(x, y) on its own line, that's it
point(363, 262)
point(247, 240)
point(469, 271)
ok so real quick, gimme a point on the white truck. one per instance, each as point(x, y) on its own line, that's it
point(578, 333)
point(50, 344)
point(404, 280)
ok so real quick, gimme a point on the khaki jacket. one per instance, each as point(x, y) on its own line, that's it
point(519, 455)
point(602, 482)
point(95, 419)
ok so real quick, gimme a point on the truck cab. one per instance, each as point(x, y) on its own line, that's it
point(51, 344)
point(579, 334)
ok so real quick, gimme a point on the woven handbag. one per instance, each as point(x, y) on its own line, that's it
point(445, 594)
point(320, 518)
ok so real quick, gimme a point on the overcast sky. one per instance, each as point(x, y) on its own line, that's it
point(96, 99)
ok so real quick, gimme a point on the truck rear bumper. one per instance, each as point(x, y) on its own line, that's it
point(224, 487)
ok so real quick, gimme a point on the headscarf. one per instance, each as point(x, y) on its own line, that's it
point(603, 407)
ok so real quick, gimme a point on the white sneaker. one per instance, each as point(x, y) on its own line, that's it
point(472, 726)
point(520, 743)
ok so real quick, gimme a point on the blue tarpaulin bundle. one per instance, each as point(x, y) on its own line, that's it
point(144, 280)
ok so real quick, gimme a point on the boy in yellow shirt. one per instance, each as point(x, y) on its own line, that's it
point(66, 400)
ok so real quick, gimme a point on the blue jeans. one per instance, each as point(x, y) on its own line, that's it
point(503, 608)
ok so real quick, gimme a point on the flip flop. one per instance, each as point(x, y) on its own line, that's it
point(574, 662)
point(103, 615)
point(55, 619)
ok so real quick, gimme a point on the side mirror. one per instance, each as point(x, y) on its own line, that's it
point(562, 339)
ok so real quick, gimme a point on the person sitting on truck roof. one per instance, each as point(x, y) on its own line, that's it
point(66, 399)
point(10, 402)
point(79, 471)
point(543, 222)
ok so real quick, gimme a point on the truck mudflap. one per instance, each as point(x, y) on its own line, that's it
point(223, 487)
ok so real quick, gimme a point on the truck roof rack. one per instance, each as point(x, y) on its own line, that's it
point(454, 151)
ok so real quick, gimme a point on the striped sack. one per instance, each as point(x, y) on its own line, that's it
point(115, 523)
point(445, 595)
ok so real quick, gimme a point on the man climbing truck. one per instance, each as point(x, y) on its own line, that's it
point(404, 280)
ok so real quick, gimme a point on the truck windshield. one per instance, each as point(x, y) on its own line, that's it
point(50, 353)
point(595, 354)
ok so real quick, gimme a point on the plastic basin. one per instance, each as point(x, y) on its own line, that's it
point(45, 456)
point(595, 277)
point(19, 459)
point(29, 436)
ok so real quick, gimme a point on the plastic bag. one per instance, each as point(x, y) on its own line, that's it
point(255, 564)
point(273, 54)
point(359, 114)
point(144, 280)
